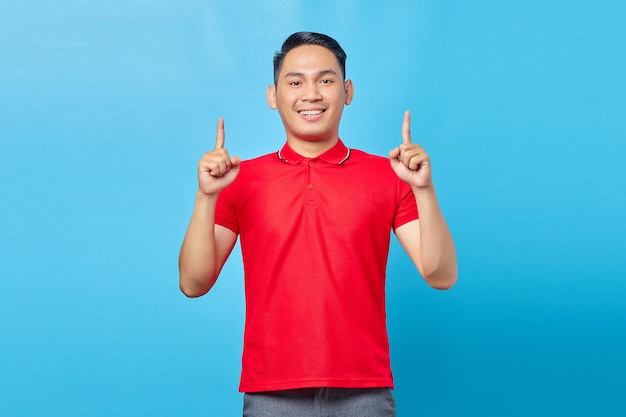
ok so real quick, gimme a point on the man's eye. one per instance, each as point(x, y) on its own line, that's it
point(327, 81)
point(295, 83)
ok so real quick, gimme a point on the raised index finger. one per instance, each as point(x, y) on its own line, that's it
point(220, 136)
point(406, 128)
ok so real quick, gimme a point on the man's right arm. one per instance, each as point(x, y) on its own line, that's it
point(205, 248)
point(206, 245)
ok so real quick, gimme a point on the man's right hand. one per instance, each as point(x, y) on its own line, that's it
point(216, 169)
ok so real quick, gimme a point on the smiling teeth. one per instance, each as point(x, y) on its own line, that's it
point(310, 112)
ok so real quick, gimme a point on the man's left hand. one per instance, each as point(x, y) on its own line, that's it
point(409, 160)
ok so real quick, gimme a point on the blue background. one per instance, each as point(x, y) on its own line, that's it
point(106, 107)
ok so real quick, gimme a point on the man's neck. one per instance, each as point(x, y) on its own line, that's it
point(311, 148)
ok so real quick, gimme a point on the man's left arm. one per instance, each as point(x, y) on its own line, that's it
point(427, 241)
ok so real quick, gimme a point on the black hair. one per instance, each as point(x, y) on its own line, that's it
point(309, 38)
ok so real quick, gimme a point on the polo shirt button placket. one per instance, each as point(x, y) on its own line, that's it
point(310, 195)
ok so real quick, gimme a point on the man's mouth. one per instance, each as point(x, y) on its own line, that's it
point(310, 112)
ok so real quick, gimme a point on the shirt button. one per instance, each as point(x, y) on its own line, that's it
point(311, 163)
point(310, 186)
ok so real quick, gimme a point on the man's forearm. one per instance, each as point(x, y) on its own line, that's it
point(197, 260)
point(437, 250)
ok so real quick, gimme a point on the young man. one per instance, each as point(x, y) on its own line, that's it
point(315, 220)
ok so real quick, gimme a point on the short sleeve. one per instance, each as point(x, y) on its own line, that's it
point(406, 209)
point(226, 209)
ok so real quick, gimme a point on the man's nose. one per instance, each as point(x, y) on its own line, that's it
point(312, 92)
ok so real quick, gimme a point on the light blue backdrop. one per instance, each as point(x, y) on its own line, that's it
point(106, 107)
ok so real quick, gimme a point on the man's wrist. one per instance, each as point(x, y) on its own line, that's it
point(424, 191)
point(204, 197)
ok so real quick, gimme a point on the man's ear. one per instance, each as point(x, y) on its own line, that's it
point(271, 96)
point(349, 90)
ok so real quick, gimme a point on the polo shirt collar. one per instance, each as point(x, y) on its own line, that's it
point(336, 155)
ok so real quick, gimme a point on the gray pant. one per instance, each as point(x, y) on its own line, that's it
point(321, 402)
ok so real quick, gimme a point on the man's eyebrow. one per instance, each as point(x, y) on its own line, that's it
point(319, 73)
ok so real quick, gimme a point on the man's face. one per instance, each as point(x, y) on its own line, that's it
point(310, 94)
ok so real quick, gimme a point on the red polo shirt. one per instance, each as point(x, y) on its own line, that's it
point(315, 239)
